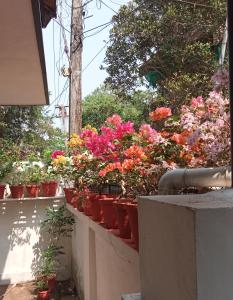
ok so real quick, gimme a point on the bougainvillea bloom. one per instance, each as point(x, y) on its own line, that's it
point(57, 153)
point(160, 113)
point(178, 138)
point(197, 102)
point(135, 152)
point(114, 120)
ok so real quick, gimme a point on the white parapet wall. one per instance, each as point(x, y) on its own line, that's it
point(104, 266)
point(186, 246)
point(21, 239)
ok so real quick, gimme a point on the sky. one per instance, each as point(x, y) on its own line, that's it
point(92, 76)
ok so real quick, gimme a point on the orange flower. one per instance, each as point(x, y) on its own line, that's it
point(135, 152)
point(128, 164)
point(109, 168)
point(178, 138)
point(160, 113)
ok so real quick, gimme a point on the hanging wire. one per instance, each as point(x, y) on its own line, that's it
point(109, 7)
point(56, 100)
point(91, 61)
point(54, 63)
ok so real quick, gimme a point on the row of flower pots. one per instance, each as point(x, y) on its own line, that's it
point(109, 210)
point(48, 189)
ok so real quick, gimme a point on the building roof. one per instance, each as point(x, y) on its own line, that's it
point(23, 78)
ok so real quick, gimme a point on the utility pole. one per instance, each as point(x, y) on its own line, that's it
point(76, 47)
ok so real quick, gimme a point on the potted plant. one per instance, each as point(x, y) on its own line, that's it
point(58, 225)
point(49, 182)
point(47, 266)
point(16, 180)
point(43, 290)
point(33, 175)
point(5, 168)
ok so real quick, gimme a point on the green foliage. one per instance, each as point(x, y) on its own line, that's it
point(58, 223)
point(102, 103)
point(30, 129)
point(178, 39)
point(41, 285)
point(33, 174)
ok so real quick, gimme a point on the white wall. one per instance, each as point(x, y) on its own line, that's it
point(104, 266)
point(20, 233)
point(186, 246)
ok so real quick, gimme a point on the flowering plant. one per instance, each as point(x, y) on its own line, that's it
point(136, 159)
point(17, 176)
point(205, 131)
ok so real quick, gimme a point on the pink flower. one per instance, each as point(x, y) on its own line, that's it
point(114, 120)
point(124, 129)
point(148, 133)
point(57, 153)
point(99, 145)
point(197, 102)
point(87, 134)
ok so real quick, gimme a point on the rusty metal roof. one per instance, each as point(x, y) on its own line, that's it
point(48, 11)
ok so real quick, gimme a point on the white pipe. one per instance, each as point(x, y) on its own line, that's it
point(173, 181)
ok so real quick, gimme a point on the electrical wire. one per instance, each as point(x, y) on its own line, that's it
point(109, 7)
point(65, 87)
point(54, 63)
point(97, 31)
point(91, 61)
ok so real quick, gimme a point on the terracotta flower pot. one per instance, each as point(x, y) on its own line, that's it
point(33, 190)
point(132, 210)
point(43, 295)
point(52, 283)
point(109, 213)
point(87, 203)
point(95, 207)
point(2, 190)
point(122, 219)
point(69, 193)
point(17, 191)
point(49, 188)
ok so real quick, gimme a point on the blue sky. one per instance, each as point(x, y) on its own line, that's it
point(54, 45)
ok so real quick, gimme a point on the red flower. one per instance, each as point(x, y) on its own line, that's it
point(57, 153)
point(160, 113)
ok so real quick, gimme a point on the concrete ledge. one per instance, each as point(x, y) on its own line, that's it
point(30, 199)
point(131, 297)
point(104, 266)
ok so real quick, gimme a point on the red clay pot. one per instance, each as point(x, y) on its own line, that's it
point(95, 207)
point(132, 210)
point(49, 188)
point(69, 193)
point(122, 220)
point(2, 190)
point(33, 190)
point(87, 203)
point(17, 191)
point(109, 213)
point(52, 283)
point(43, 295)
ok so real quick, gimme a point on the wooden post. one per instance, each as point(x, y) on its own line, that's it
point(76, 47)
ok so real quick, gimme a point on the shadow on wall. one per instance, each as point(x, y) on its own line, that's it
point(20, 237)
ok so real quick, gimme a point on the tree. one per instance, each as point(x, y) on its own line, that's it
point(29, 128)
point(102, 103)
point(178, 40)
